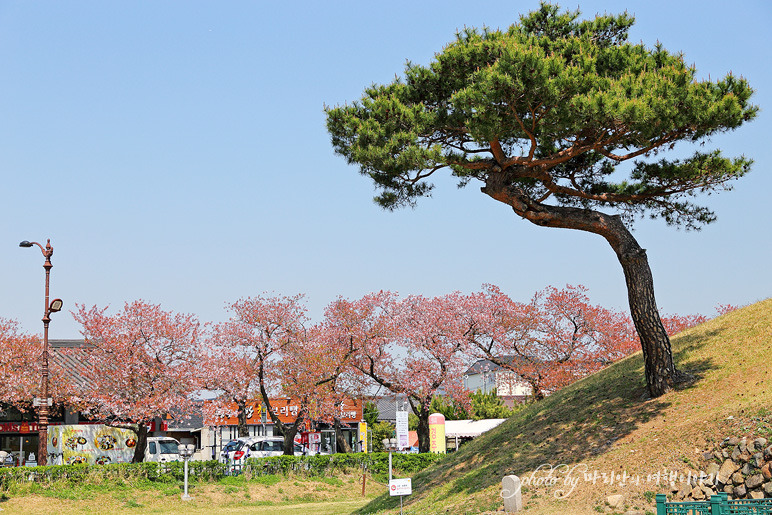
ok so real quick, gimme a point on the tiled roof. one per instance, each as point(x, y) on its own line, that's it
point(387, 406)
point(70, 355)
point(485, 365)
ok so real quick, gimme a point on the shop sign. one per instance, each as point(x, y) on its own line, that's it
point(18, 427)
point(286, 410)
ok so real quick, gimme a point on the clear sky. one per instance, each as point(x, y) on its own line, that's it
point(176, 152)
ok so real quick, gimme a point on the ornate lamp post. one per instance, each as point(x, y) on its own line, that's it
point(50, 307)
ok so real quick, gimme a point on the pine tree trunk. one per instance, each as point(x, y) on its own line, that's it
point(660, 370)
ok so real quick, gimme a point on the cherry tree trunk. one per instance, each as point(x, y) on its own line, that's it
point(341, 443)
point(242, 418)
point(139, 450)
point(423, 430)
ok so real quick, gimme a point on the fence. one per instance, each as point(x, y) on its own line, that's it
point(717, 505)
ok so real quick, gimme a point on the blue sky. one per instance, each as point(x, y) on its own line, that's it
point(176, 152)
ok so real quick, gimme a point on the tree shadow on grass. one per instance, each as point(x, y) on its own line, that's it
point(576, 423)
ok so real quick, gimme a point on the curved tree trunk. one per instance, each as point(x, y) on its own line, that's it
point(660, 370)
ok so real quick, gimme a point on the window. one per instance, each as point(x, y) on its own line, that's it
point(152, 447)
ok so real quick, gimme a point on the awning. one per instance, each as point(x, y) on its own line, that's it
point(470, 428)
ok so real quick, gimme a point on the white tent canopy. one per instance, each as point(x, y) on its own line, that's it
point(470, 428)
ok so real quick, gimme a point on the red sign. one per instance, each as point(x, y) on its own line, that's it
point(18, 427)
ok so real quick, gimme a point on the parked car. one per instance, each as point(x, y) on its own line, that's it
point(271, 446)
point(237, 451)
point(162, 449)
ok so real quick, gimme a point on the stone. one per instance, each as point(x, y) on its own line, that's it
point(739, 491)
point(726, 470)
point(725, 454)
point(754, 481)
point(683, 491)
point(510, 491)
point(718, 455)
point(736, 454)
point(712, 470)
point(768, 489)
point(697, 494)
point(743, 445)
point(766, 471)
point(707, 491)
point(728, 489)
point(707, 455)
point(768, 453)
point(746, 469)
point(758, 460)
point(731, 442)
point(757, 495)
point(615, 501)
point(738, 478)
point(759, 443)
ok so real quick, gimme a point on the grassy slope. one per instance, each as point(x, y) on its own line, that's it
point(604, 423)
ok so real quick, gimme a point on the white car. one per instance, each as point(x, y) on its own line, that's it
point(237, 451)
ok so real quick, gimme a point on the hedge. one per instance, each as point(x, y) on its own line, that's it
point(205, 471)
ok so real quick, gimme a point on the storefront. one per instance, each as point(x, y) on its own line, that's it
point(259, 423)
point(18, 435)
point(18, 439)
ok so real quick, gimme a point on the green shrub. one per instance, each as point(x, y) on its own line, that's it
point(262, 470)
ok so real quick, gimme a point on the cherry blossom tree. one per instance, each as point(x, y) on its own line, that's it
point(264, 327)
point(347, 333)
point(555, 339)
point(20, 372)
point(418, 352)
point(229, 367)
point(19, 358)
point(139, 365)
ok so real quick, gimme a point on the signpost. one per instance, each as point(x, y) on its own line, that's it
point(38, 402)
point(400, 487)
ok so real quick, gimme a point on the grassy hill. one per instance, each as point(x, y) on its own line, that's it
point(603, 424)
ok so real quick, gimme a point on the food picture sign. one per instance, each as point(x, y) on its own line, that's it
point(94, 444)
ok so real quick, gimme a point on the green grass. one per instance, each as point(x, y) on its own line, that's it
point(605, 422)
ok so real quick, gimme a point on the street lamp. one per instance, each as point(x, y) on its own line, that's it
point(50, 307)
point(186, 452)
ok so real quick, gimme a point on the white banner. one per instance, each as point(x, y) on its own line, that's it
point(403, 441)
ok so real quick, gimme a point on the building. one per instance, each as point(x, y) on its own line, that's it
point(486, 376)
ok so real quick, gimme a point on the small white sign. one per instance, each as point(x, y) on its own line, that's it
point(39, 401)
point(400, 487)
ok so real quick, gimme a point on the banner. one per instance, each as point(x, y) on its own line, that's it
point(403, 440)
point(95, 444)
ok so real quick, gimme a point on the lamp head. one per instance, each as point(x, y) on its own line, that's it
point(56, 305)
point(25, 243)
